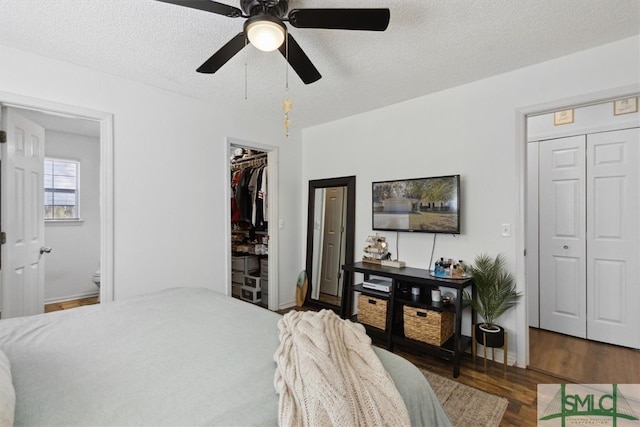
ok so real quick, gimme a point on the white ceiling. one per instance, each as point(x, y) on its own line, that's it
point(430, 45)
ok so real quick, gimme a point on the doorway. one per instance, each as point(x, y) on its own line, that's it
point(579, 195)
point(104, 123)
point(588, 235)
point(72, 207)
point(252, 237)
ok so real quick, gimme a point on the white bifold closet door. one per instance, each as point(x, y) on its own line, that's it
point(562, 239)
point(589, 236)
point(613, 237)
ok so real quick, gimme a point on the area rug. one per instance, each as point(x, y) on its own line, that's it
point(467, 406)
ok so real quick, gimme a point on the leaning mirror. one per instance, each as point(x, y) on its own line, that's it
point(330, 239)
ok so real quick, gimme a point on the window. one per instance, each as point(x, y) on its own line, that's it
point(61, 185)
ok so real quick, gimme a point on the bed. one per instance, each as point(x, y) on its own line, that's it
point(183, 356)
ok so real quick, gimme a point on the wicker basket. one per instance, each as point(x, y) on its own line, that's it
point(372, 311)
point(432, 327)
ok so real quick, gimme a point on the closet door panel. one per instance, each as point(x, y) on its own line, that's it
point(613, 235)
point(561, 236)
point(610, 284)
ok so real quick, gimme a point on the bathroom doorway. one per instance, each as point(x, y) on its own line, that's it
point(87, 137)
point(72, 207)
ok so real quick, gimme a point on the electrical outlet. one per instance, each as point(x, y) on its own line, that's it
point(506, 230)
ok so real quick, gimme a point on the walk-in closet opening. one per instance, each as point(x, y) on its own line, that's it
point(249, 225)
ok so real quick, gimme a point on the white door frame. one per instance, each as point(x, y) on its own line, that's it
point(106, 174)
point(273, 215)
point(522, 320)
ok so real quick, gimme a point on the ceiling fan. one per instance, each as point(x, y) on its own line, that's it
point(265, 29)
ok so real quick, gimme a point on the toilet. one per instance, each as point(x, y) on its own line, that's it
point(96, 278)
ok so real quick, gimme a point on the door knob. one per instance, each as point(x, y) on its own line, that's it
point(44, 250)
point(566, 247)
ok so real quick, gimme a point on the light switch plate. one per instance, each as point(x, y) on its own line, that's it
point(506, 230)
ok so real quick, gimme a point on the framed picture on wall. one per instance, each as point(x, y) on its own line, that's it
point(625, 106)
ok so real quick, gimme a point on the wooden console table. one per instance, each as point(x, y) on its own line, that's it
point(393, 334)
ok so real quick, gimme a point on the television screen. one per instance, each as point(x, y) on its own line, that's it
point(428, 205)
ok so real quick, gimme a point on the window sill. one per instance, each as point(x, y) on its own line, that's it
point(63, 222)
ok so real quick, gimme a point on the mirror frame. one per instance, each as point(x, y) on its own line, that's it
point(350, 183)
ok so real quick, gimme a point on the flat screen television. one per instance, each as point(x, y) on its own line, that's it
point(426, 205)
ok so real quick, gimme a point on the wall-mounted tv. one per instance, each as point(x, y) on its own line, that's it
point(427, 205)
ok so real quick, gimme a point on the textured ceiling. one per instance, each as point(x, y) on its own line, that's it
point(430, 45)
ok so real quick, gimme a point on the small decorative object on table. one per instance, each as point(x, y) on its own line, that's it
point(450, 269)
point(448, 298)
point(376, 250)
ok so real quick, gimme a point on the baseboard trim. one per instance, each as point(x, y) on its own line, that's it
point(71, 297)
point(287, 305)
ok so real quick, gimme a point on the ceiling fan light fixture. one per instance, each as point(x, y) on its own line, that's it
point(265, 32)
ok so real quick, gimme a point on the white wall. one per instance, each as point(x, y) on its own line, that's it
point(75, 254)
point(170, 161)
point(471, 130)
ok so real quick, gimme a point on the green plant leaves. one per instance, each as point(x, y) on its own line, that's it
point(495, 288)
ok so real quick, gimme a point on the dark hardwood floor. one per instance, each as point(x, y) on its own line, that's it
point(517, 385)
point(582, 361)
point(66, 305)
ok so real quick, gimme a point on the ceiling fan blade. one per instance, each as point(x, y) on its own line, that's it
point(208, 6)
point(224, 54)
point(299, 60)
point(341, 19)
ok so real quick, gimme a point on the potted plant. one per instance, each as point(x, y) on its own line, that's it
point(496, 293)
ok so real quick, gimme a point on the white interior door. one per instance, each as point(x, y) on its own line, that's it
point(332, 240)
point(561, 236)
point(613, 237)
point(22, 216)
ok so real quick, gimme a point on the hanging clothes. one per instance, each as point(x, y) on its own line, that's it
point(235, 211)
point(243, 197)
point(248, 192)
point(258, 211)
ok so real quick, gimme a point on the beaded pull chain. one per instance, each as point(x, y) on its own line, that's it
point(287, 104)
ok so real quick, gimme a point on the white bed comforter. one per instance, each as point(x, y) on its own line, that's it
point(179, 357)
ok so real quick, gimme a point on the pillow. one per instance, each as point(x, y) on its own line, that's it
point(7, 393)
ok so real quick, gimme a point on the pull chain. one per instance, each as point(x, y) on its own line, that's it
point(246, 56)
point(286, 105)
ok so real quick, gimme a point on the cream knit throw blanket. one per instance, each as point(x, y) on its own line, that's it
point(327, 374)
